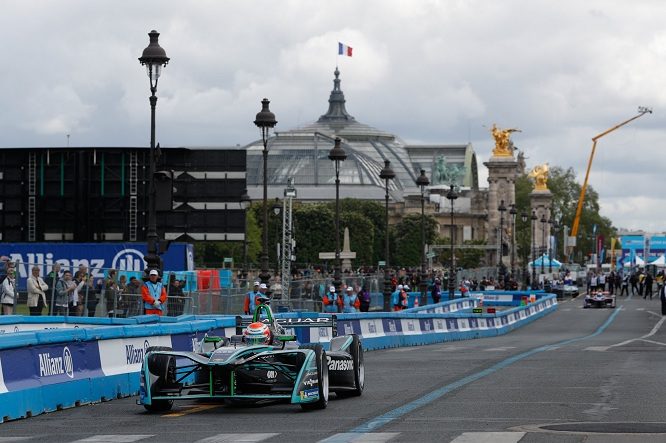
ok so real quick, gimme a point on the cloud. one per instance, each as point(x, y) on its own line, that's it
point(429, 71)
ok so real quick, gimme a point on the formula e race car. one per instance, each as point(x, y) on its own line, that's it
point(599, 299)
point(261, 363)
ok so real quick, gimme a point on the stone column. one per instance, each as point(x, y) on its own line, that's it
point(502, 172)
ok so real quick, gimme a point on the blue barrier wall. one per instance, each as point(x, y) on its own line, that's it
point(55, 362)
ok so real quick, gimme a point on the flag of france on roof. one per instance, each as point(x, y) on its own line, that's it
point(344, 50)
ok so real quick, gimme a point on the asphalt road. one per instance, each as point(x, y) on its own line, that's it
point(576, 375)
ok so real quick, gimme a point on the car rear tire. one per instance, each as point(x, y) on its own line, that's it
point(322, 377)
point(164, 367)
point(356, 352)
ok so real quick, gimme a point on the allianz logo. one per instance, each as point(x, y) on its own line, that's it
point(134, 354)
point(49, 366)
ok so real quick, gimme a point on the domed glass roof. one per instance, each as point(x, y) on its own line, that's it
point(302, 154)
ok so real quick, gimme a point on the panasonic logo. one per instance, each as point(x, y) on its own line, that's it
point(49, 366)
point(341, 365)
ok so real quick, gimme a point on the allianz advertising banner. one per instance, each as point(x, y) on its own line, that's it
point(98, 257)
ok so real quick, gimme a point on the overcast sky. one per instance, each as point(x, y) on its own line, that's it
point(427, 71)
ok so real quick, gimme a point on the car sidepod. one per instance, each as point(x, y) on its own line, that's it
point(345, 366)
point(312, 388)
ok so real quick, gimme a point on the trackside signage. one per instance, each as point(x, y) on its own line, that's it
point(24, 368)
point(121, 356)
point(96, 256)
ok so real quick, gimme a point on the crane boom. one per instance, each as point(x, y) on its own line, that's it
point(579, 209)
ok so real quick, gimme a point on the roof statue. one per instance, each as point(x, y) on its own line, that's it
point(540, 175)
point(446, 174)
point(503, 144)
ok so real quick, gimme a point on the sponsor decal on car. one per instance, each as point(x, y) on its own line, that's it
point(309, 393)
point(271, 374)
point(341, 365)
point(310, 382)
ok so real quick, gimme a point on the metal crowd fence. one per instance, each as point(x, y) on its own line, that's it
point(99, 299)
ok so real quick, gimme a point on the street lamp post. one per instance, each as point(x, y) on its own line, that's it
point(245, 204)
point(154, 58)
point(543, 240)
point(386, 174)
point(555, 226)
point(533, 241)
point(451, 196)
point(337, 154)
point(422, 181)
point(548, 245)
point(277, 208)
point(500, 254)
point(524, 217)
point(512, 213)
point(265, 121)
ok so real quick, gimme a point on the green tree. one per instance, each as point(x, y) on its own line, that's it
point(407, 251)
point(313, 225)
point(566, 191)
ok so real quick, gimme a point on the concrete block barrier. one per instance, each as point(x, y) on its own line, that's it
point(51, 363)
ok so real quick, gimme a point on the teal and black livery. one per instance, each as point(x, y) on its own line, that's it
point(228, 368)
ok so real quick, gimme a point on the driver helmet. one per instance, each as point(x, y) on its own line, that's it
point(257, 333)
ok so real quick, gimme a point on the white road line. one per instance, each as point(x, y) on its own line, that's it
point(500, 349)
point(117, 438)
point(237, 438)
point(626, 342)
point(13, 439)
point(370, 437)
point(489, 437)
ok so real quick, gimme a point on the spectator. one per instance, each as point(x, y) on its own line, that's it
point(153, 294)
point(9, 293)
point(111, 293)
point(64, 288)
point(395, 298)
point(251, 299)
point(625, 285)
point(648, 286)
point(4, 265)
point(52, 278)
point(364, 299)
point(84, 288)
point(276, 289)
point(37, 288)
point(351, 303)
point(331, 300)
point(132, 298)
point(175, 296)
point(94, 295)
point(436, 291)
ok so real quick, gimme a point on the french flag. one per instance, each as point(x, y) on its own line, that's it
point(344, 50)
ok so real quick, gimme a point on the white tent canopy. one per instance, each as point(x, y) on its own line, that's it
point(546, 261)
point(637, 262)
point(660, 262)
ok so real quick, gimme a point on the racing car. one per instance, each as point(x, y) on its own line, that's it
point(261, 363)
point(599, 299)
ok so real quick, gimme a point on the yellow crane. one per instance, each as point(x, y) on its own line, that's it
point(579, 209)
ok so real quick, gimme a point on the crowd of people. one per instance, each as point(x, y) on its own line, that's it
point(63, 292)
point(638, 282)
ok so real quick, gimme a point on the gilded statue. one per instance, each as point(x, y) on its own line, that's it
point(540, 175)
point(503, 143)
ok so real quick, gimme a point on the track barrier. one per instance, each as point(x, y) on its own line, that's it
point(51, 363)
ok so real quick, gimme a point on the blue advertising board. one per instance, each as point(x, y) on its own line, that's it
point(645, 247)
point(98, 257)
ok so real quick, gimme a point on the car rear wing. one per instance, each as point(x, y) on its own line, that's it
point(299, 322)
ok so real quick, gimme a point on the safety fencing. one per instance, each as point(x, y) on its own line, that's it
point(50, 363)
